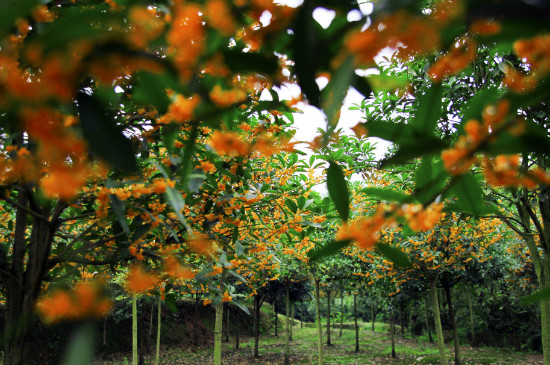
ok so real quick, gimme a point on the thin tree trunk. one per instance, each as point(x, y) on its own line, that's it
point(256, 325)
point(292, 319)
point(328, 318)
point(276, 319)
point(472, 323)
point(355, 321)
point(427, 320)
point(218, 329)
point(301, 318)
point(159, 322)
point(238, 324)
point(341, 315)
point(105, 331)
point(319, 325)
point(287, 322)
point(437, 321)
point(373, 317)
point(196, 322)
point(150, 332)
point(134, 331)
point(453, 322)
point(226, 323)
point(392, 333)
point(402, 318)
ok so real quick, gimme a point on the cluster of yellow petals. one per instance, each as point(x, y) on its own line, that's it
point(454, 61)
point(420, 219)
point(85, 300)
point(229, 143)
point(145, 25)
point(202, 245)
point(136, 252)
point(182, 109)
point(504, 170)
point(186, 36)
point(485, 27)
point(226, 297)
point(219, 17)
point(59, 163)
point(226, 98)
point(365, 232)
point(140, 281)
point(176, 270)
point(460, 158)
point(409, 33)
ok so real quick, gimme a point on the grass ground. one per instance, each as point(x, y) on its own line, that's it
point(375, 348)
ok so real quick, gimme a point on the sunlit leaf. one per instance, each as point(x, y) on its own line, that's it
point(393, 254)
point(328, 249)
point(338, 190)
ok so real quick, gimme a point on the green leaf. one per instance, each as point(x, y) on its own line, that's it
point(150, 89)
point(393, 254)
point(10, 11)
point(428, 109)
point(385, 83)
point(534, 139)
point(430, 177)
point(338, 190)
point(238, 276)
point(361, 85)
point(329, 249)
point(386, 194)
point(248, 62)
point(81, 346)
point(170, 301)
point(415, 148)
point(176, 201)
point(304, 42)
point(103, 135)
point(140, 231)
point(475, 106)
point(74, 23)
point(467, 189)
point(120, 213)
point(241, 306)
point(169, 134)
point(336, 90)
point(291, 205)
point(539, 295)
point(239, 248)
point(186, 165)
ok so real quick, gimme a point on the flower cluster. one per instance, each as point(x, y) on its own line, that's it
point(85, 300)
point(458, 159)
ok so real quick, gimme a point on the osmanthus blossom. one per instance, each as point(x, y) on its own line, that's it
point(87, 299)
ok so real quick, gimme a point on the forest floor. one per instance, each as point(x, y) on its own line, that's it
point(375, 348)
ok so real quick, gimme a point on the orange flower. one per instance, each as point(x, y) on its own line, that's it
point(365, 231)
point(485, 27)
point(420, 219)
point(202, 246)
point(177, 271)
point(139, 281)
point(64, 182)
point(207, 166)
point(219, 17)
point(87, 299)
point(229, 143)
point(226, 297)
point(182, 109)
point(226, 98)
